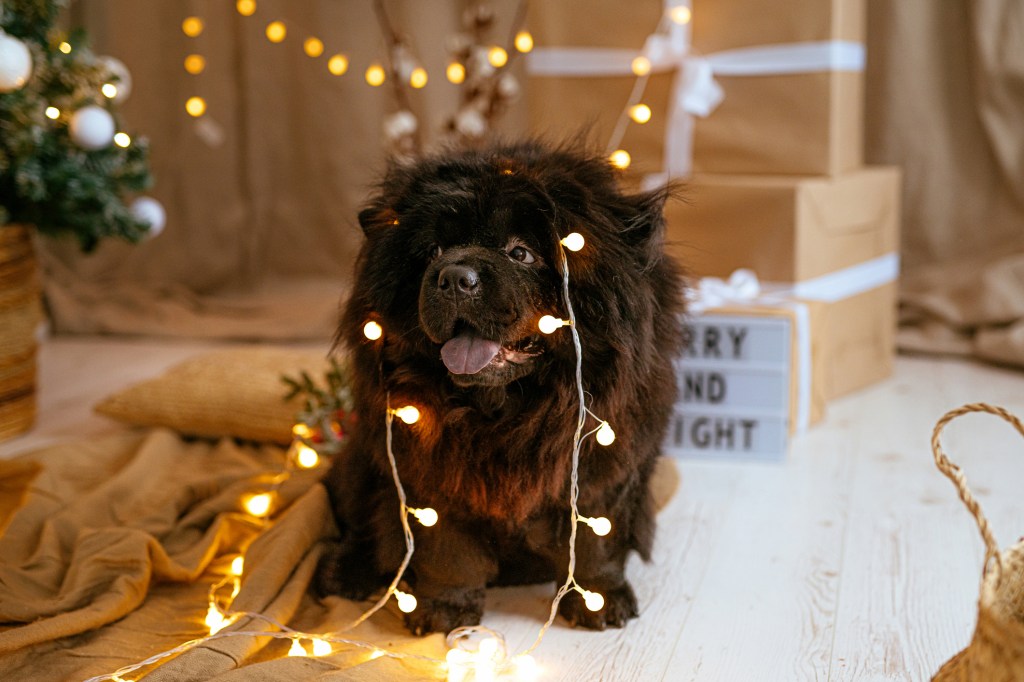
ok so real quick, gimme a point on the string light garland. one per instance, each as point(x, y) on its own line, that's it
point(461, 663)
point(635, 110)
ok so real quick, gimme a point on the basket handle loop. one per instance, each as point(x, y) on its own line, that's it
point(956, 475)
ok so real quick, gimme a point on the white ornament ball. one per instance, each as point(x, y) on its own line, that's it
point(121, 77)
point(92, 127)
point(15, 63)
point(150, 211)
point(400, 124)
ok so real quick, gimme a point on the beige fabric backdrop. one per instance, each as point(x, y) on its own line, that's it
point(946, 101)
point(261, 231)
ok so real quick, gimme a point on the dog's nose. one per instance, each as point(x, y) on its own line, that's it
point(458, 279)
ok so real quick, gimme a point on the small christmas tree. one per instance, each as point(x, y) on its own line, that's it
point(64, 167)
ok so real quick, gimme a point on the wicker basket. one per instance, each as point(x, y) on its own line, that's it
point(996, 652)
point(20, 314)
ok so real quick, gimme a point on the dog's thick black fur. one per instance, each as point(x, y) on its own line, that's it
point(461, 260)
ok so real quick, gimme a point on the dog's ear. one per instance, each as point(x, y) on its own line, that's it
point(645, 226)
point(374, 216)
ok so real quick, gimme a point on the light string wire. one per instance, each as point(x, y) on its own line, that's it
point(574, 488)
point(456, 635)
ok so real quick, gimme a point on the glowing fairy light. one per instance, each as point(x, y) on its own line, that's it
point(313, 47)
point(573, 241)
point(620, 159)
point(406, 602)
point(593, 600)
point(338, 64)
point(122, 140)
point(455, 73)
point(192, 26)
point(215, 620)
point(297, 649)
point(246, 7)
point(302, 430)
point(237, 565)
point(549, 324)
point(305, 456)
point(680, 14)
point(600, 525)
point(372, 330)
point(276, 31)
point(524, 41)
point(109, 90)
point(641, 66)
point(408, 414)
point(52, 112)
point(321, 647)
point(65, 47)
point(605, 435)
point(418, 77)
point(426, 516)
point(195, 64)
point(497, 56)
point(525, 668)
point(641, 113)
point(375, 74)
point(195, 106)
point(258, 505)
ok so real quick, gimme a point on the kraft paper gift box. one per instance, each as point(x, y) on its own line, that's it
point(794, 107)
point(835, 240)
point(750, 378)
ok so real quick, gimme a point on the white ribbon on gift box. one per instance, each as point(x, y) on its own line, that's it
point(744, 288)
point(695, 92)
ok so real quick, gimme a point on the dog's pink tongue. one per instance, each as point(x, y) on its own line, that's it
point(467, 354)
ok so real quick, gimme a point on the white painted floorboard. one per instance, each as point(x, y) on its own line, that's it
point(853, 560)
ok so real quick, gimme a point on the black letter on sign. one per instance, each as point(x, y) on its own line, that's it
point(699, 434)
point(716, 387)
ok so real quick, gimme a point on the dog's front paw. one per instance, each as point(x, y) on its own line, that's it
point(437, 615)
point(619, 607)
point(346, 574)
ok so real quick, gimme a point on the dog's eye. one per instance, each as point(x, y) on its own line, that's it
point(435, 252)
point(521, 254)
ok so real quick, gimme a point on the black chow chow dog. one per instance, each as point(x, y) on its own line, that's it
point(461, 260)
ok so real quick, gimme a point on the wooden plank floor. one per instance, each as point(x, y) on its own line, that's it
point(853, 560)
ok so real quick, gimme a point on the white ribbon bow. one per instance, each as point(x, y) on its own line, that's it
point(713, 292)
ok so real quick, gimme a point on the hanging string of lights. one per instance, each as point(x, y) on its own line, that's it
point(462, 662)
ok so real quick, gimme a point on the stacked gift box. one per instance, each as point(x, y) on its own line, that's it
point(760, 110)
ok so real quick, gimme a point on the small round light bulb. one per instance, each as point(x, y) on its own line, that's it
point(641, 113)
point(593, 600)
point(524, 41)
point(237, 565)
point(258, 505)
point(620, 159)
point(321, 647)
point(549, 324)
point(406, 602)
point(605, 434)
point(305, 456)
point(408, 414)
point(641, 66)
point(426, 516)
point(573, 241)
point(601, 526)
point(297, 649)
point(497, 56)
point(372, 330)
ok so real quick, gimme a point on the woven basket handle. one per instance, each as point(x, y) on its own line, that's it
point(955, 474)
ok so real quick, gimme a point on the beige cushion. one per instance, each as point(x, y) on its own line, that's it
point(236, 393)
